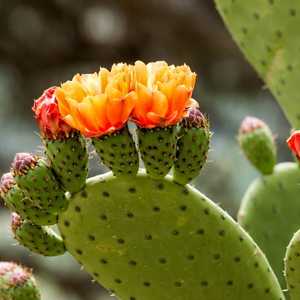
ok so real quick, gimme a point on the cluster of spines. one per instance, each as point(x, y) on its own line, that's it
point(17, 283)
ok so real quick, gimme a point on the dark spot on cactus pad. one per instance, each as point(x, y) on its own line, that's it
point(237, 259)
point(130, 215)
point(103, 217)
point(147, 284)
point(132, 263)
point(162, 260)
point(190, 257)
point(156, 209)
point(216, 256)
point(66, 223)
point(178, 284)
point(79, 252)
point(222, 233)
point(148, 237)
point(121, 241)
point(175, 232)
point(103, 261)
point(200, 231)
point(229, 282)
point(91, 237)
point(132, 190)
point(118, 281)
point(204, 283)
point(77, 209)
point(250, 286)
point(105, 194)
point(183, 207)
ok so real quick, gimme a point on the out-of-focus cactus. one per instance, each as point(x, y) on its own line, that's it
point(17, 283)
point(270, 207)
point(267, 33)
point(146, 235)
point(292, 266)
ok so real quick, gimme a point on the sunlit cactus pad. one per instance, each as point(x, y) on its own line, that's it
point(154, 239)
point(268, 33)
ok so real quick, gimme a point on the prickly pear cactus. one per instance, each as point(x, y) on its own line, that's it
point(142, 236)
point(292, 266)
point(267, 33)
point(270, 207)
point(17, 283)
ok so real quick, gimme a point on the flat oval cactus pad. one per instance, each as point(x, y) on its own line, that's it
point(267, 31)
point(147, 239)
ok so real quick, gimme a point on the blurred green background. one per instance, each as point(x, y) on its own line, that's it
point(43, 43)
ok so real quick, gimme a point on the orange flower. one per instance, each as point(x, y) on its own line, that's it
point(99, 103)
point(164, 93)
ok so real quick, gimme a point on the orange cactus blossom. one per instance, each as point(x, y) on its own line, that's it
point(99, 103)
point(164, 93)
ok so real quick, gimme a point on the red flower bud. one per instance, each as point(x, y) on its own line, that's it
point(294, 143)
point(48, 116)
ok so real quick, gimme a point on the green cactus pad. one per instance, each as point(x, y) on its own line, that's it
point(118, 152)
point(155, 239)
point(260, 149)
point(192, 149)
point(17, 201)
point(270, 212)
point(292, 267)
point(38, 239)
point(17, 283)
point(158, 149)
point(42, 188)
point(69, 159)
point(268, 33)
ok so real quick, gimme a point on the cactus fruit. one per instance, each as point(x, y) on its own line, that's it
point(158, 149)
point(38, 239)
point(292, 266)
point(117, 151)
point(145, 236)
point(17, 283)
point(266, 31)
point(17, 200)
point(192, 146)
point(35, 177)
point(257, 142)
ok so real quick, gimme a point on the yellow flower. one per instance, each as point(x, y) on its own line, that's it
point(164, 93)
point(98, 103)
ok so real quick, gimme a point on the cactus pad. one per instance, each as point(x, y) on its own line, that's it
point(155, 239)
point(267, 32)
point(292, 267)
point(270, 212)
